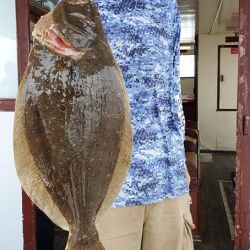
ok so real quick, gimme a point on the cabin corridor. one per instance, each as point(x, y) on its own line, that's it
point(215, 233)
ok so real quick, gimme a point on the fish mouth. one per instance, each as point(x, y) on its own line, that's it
point(68, 30)
point(56, 42)
point(52, 39)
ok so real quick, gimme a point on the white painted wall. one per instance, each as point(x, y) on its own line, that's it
point(187, 86)
point(11, 235)
point(8, 54)
point(217, 129)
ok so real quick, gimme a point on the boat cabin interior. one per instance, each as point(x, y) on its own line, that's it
point(209, 76)
point(209, 56)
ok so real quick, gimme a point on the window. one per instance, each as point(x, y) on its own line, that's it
point(187, 66)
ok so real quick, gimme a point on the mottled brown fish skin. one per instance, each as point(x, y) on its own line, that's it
point(74, 118)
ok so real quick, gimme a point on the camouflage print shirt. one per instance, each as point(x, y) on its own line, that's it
point(144, 36)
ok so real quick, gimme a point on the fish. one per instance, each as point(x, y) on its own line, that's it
point(72, 130)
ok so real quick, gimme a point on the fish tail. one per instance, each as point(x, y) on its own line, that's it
point(74, 244)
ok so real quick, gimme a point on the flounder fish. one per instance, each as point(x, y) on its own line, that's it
point(72, 129)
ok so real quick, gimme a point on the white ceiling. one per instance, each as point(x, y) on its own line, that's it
point(189, 14)
point(218, 16)
point(208, 17)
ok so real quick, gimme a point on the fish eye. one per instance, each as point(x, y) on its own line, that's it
point(85, 20)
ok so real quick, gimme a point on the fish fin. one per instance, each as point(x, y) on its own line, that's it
point(73, 245)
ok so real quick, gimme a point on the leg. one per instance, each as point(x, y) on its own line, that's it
point(121, 228)
point(168, 225)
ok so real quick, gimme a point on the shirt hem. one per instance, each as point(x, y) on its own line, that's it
point(142, 203)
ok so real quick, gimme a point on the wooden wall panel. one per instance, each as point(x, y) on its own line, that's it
point(242, 231)
point(7, 105)
point(22, 16)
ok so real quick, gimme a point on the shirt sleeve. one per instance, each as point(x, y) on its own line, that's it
point(176, 72)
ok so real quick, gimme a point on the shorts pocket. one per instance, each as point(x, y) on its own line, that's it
point(187, 243)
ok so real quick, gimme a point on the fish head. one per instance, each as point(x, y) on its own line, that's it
point(70, 29)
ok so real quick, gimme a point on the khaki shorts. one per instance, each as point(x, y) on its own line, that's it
point(166, 225)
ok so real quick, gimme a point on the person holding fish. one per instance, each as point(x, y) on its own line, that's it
point(152, 210)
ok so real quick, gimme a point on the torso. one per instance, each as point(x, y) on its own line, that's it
point(143, 35)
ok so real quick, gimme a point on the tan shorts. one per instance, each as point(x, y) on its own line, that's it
point(166, 225)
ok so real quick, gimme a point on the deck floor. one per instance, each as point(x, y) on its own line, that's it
point(215, 233)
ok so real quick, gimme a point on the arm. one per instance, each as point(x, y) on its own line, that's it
point(176, 73)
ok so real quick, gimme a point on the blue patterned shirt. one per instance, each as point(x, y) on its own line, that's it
point(144, 36)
